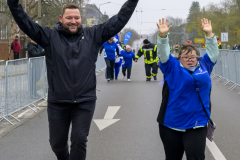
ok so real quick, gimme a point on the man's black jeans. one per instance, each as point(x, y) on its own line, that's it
point(60, 116)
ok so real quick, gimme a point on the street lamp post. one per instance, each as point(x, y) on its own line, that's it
point(100, 11)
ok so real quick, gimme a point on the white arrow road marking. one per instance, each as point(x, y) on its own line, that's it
point(104, 123)
point(111, 112)
point(217, 154)
point(108, 118)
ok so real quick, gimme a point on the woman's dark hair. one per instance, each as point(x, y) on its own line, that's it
point(189, 48)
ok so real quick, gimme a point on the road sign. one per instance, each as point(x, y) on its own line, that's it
point(224, 36)
point(199, 40)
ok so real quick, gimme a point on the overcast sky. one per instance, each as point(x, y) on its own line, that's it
point(152, 11)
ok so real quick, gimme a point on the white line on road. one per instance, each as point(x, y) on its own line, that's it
point(21, 114)
point(217, 154)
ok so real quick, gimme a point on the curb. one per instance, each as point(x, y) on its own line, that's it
point(16, 125)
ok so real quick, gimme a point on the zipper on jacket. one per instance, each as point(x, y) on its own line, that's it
point(74, 97)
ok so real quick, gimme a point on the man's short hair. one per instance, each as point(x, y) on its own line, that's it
point(146, 41)
point(70, 6)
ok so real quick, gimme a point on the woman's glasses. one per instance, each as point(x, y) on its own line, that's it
point(185, 58)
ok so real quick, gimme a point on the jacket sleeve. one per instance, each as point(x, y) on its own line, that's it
point(155, 51)
point(163, 51)
point(139, 54)
point(115, 24)
point(101, 49)
point(212, 48)
point(117, 49)
point(39, 34)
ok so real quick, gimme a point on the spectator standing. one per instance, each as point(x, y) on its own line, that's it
point(16, 47)
point(33, 50)
point(228, 47)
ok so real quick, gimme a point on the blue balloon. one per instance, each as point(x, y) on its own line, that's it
point(127, 37)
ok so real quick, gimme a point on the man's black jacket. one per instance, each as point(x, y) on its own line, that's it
point(33, 50)
point(71, 58)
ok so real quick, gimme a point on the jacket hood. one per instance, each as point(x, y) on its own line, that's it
point(58, 26)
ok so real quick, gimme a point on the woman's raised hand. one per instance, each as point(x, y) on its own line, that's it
point(163, 27)
point(207, 27)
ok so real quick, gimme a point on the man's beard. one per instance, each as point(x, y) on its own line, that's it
point(66, 28)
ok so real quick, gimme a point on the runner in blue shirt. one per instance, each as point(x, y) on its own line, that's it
point(128, 56)
point(110, 49)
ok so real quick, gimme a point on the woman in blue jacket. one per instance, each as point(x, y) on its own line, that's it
point(128, 56)
point(182, 120)
point(110, 49)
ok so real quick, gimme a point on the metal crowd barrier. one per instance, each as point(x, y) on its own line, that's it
point(2, 89)
point(24, 82)
point(227, 67)
point(37, 80)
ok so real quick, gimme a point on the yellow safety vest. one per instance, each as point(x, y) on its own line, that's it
point(176, 46)
point(151, 55)
point(124, 47)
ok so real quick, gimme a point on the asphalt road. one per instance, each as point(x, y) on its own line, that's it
point(135, 136)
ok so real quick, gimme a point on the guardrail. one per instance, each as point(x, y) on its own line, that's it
point(227, 67)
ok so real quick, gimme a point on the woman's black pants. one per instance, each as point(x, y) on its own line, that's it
point(128, 68)
point(175, 143)
point(110, 68)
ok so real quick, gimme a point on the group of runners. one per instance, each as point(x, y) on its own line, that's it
point(115, 55)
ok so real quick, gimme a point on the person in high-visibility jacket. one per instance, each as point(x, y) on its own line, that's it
point(149, 50)
point(123, 46)
point(170, 49)
point(189, 42)
point(177, 47)
point(204, 45)
point(219, 43)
